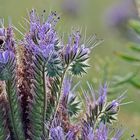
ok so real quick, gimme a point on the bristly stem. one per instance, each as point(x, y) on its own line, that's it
point(60, 91)
point(45, 101)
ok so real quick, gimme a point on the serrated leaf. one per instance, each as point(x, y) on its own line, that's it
point(78, 68)
point(54, 66)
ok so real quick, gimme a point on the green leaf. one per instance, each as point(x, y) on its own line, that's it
point(134, 46)
point(125, 79)
point(135, 83)
point(73, 106)
point(135, 25)
point(38, 108)
point(127, 57)
point(54, 66)
point(14, 111)
point(78, 68)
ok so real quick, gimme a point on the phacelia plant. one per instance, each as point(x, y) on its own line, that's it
point(37, 99)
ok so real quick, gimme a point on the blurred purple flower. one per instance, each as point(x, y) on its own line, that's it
point(113, 106)
point(102, 96)
point(118, 15)
point(70, 136)
point(102, 132)
point(118, 135)
point(4, 56)
point(57, 133)
point(71, 7)
point(6, 39)
point(67, 86)
point(2, 32)
point(87, 132)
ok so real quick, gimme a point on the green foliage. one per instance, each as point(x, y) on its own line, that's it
point(73, 106)
point(39, 105)
point(132, 57)
point(135, 25)
point(54, 66)
point(14, 112)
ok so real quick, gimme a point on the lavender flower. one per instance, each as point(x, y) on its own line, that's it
point(42, 38)
point(74, 49)
point(87, 132)
point(6, 39)
point(48, 101)
point(57, 133)
point(2, 32)
point(66, 86)
point(102, 96)
point(102, 132)
point(113, 106)
point(70, 135)
point(4, 55)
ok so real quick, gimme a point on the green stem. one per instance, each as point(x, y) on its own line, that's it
point(96, 120)
point(45, 101)
point(60, 95)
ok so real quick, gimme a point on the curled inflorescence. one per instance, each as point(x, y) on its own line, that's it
point(39, 101)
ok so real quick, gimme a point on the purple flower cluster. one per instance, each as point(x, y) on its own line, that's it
point(49, 102)
point(7, 46)
point(58, 133)
point(4, 57)
point(101, 133)
point(42, 37)
point(7, 39)
point(74, 49)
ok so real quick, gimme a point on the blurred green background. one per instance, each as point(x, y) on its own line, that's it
point(92, 16)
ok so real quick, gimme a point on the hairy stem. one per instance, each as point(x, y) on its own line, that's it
point(60, 91)
point(45, 102)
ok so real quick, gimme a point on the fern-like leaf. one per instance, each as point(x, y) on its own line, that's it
point(14, 106)
point(39, 106)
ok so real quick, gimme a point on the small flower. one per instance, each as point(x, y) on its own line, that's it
point(70, 135)
point(67, 86)
point(113, 106)
point(4, 55)
point(6, 39)
point(2, 32)
point(102, 132)
point(102, 96)
point(87, 132)
point(57, 133)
